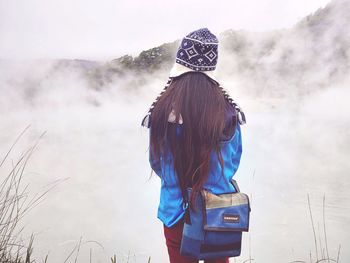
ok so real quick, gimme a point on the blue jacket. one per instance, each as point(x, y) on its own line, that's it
point(171, 208)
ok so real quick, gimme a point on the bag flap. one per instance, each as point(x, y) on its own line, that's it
point(226, 212)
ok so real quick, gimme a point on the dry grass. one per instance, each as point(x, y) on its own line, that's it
point(15, 204)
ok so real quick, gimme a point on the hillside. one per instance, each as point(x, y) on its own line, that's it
point(311, 55)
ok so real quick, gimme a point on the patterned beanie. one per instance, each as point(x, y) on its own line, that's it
point(198, 52)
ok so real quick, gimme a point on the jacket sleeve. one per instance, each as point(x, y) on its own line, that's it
point(155, 165)
point(236, 153)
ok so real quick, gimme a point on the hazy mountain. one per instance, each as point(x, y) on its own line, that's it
point(308, 56)
point(311, 55)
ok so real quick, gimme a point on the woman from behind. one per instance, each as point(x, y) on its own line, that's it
point(195, 136)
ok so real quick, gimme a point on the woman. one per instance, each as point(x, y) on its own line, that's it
point(195, 135)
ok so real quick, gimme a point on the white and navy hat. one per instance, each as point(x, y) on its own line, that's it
point(198, 51)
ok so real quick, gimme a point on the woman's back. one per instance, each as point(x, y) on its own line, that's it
point(171, 207)
point(195, 135)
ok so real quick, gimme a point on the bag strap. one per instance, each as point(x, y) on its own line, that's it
point(187, 208)
point(235, 185)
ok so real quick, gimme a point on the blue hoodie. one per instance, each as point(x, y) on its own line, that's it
point(171, 207)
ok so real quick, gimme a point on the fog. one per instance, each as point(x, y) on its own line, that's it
point(296, 142)
point(107, 28)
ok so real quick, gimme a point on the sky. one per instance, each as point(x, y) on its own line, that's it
point(107, 29)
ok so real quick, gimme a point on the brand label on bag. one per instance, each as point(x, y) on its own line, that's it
point(230, 218)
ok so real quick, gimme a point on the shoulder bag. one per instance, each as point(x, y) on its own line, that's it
point(214, 229)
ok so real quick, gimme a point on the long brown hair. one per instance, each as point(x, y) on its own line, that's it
point(202, 106)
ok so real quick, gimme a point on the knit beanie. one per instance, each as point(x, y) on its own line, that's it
point(198, 51)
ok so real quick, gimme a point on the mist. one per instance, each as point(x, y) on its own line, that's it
point(292, 85)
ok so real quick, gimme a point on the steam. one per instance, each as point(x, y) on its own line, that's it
point(293, 87)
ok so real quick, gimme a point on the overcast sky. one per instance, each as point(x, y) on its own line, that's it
point(106, 29)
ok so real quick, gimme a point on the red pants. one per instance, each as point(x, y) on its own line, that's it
point(173, 237)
